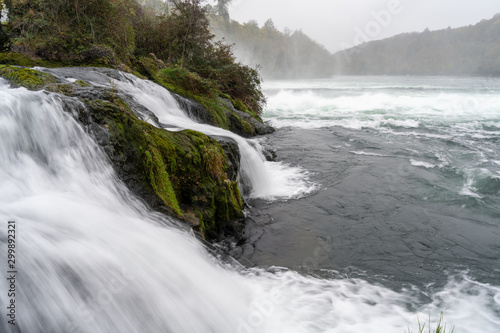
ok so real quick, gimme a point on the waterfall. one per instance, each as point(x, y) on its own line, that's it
point(91, 258)
point(268, 180)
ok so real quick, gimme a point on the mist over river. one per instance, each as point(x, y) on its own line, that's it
point(383, 207)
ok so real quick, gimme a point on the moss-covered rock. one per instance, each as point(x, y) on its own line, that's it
point(183, 172)
point(149, 66)
point(186, 173)
point(216, 109)
point(65, 89)
point(98, 55)
point(26, 77)
point(81, 83)
point(190, 85)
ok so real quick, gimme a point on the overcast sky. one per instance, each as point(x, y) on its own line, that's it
point(340, 23)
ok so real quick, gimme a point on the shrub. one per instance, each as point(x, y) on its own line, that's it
point(189, 81)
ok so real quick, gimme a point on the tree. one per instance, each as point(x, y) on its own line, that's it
point(269, 25)
point(191, 29)
point(222, 9)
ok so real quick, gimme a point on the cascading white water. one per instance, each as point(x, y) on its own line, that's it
point(91, 258)
point(268, 180)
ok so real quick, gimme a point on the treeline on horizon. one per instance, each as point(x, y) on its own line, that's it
point(280, 55)
point(469, 51)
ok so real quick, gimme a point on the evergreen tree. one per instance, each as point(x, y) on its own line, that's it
point(222, 9)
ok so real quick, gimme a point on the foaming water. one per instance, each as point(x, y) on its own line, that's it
point(455, 118)
point(92, 258)
point(268, 180)
point(422, 164)
point(354, 104)
point(354, 305)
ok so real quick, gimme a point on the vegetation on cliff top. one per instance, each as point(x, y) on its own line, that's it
point(187, 170)
point(127, 34)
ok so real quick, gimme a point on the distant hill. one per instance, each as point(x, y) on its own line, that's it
point(471, 50)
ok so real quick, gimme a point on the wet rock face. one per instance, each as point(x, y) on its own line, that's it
point(239, 122)
point(187, 173)
point(243, 123)
point(233, 156)
point(195, 110)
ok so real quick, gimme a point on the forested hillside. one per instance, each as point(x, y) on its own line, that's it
point(281, 55)
point(471, 50)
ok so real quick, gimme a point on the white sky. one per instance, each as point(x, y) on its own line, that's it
point(337, 23)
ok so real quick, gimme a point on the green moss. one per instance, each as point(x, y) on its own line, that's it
point(189, 81)
point(247, 127)
point(231, 202)
point(239, 105)
point(241, 126)
point(25, 77)
point(160, 180)
point(16, 59)
point(216, 109)
point(214, 161)
point(139, 75)
point(190, 85)
point(81, 83)
point(186, 169)
point(65, 89)
point(147, 67)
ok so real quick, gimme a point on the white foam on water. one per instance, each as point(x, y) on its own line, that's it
point(422, 164)
point(364, 153)
point(479, 182)
point(313, 105)
point(468, 191)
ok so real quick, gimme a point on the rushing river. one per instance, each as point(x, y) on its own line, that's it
point(384, 206)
